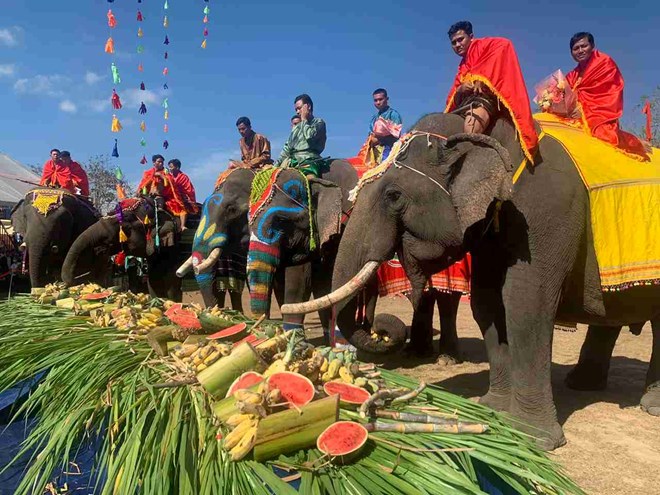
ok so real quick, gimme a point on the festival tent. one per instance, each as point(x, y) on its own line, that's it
point(12, 190)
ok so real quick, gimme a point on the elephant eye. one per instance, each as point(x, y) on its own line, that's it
point(393, 195)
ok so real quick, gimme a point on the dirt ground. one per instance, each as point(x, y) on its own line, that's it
point(613, 446)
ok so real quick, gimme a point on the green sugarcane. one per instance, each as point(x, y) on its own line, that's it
point(450, 426)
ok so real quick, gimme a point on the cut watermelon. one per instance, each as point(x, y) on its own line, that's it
point(246, 380)
point(96, 296)
point(295, 388)
point(212, 323)
point(349, 395)
point(342, 440)
point(233, 333)
point(185, 318)
point(253, 339)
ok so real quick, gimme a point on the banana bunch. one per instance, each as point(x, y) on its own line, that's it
point(378, 337)
point(201, 355)
point(149, 318)
point(124, 318)
point(240, 440)
point(88, 289)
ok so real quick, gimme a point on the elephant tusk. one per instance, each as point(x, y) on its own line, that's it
point(185, 268)
point(22, 247)
point(336, 296)
point(208, 262)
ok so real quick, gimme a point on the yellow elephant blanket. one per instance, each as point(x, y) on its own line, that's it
point(624, 196)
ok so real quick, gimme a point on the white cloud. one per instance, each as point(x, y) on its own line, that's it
point(10, 36)
point(100, 105)
point(204, 172)
point(133, 97)
point(68, 106)
point(92, 77)
point(7, 70)
point(42, 85)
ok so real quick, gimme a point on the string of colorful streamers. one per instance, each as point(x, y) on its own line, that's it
point(165, 103)
point(115, 101)
point(143, 108)
point(206, 11)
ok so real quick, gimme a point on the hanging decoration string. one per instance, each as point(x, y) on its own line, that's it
point(140, 50)
point(115, 101)
point(205, 21)
point(165, 104)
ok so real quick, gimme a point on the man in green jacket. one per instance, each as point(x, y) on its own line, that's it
point(306, 142)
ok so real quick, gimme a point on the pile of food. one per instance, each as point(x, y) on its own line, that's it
point(181, 399)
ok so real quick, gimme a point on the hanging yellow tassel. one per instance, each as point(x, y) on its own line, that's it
point(122, 235)
point(146, 220)
point(167, 114)
point(110, 46)
point(166, 23)
point(116, 126)
point(143, 126)
point(204, 43)
point(140, 33)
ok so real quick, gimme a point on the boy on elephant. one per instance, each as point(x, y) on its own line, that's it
point(598, 83)
point(306, 142)
point(489, 78)
point(255, 148)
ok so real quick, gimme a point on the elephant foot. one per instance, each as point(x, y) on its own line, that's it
point(547, 434)
point(586, 377)
point(498, 402)
point(390, 327)
point(650, 402)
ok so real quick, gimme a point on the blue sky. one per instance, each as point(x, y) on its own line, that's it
point(56, 83)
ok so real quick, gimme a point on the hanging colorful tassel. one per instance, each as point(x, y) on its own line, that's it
point(165, 86)
point(143, 142)
point(115, 151)
point(206, 19)
point(140, 67)
point(144, 160)
point(139, 16)
point(206, 31)
point(165, 103)
point(204, 43)
point(165, 71)
point(166, 23)
point(143, 108)
point(115, 73)
point(112, 22)
point(165, 128)
point(140, 49)
point(166, 6)
point(167, 41)
point(207, 10)
point(142, 86)
point(116, 102)
point(140, 33)
point(166, 144)
point(122, 235)
point(166, 55)
point(116, 125)
point(167, 114)
point(143, 126)
point(110, 46)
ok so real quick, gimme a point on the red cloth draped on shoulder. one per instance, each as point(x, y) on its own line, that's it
point(185, 187)
point(79, 178)
point(57, 175)
point(154, 180)
point(493, 61)
point(599, 88)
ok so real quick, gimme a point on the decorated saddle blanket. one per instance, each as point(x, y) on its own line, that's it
point(624, 197)
point(392, 279)
point(46, 200)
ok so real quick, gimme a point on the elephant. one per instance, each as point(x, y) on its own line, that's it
point(533, 258)
point(50, 220)
point(149, 232)
point(296, 223)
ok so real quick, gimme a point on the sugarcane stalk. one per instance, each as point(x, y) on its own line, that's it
point(411, 395)
point(449, 427)
point(291, 430)
point(158, 337)
point(381, 395)
point(419, 418)
point(219, 376)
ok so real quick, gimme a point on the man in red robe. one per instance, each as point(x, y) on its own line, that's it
point(55, 174)
point(598, 83)
point(489, 78)
point(78, 174)
point(155, 182)
point(184, 188)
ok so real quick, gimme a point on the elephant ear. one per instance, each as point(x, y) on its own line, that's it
point(18, 220)
point(167, 229)
point(326, 202)
point(481, 172)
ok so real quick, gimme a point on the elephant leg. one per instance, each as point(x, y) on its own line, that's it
point(651, 399)
point(236, 300)
point(448, 309)
point(421, 328)
point(590, 372)
point(297, 288)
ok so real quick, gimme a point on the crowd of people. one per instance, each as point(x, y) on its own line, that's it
point(488, 84)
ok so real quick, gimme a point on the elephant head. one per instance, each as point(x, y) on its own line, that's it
point(291, 220)
point(50, 220)
point(223, 227)
point(426, 205)
point(136, 227)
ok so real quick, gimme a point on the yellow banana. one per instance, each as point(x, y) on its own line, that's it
point(213, 357)
point(156, 311)
point(235, 436)
point(333, 368)
point(245, 445)
point(324, 366)
point(235, 419)
point(345, 375)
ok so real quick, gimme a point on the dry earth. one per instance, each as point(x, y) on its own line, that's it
point(613, 446)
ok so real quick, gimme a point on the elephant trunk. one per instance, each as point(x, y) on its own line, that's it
point(263, 260)
point(37, 251)
point(101, 232)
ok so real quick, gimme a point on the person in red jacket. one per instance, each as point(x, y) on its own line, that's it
point(184, 188)
point(55, 174)
point(598, 84)
point(78, 174)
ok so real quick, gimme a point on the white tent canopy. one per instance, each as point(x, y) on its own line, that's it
point(12, 190)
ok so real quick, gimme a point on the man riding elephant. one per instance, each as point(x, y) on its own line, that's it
point(61, 171)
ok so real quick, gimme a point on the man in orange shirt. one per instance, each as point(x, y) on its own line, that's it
point(489, 78)
point(598, 84)
point(78, 174)
point(184, 188)
point(55, 174)
point(156, 183)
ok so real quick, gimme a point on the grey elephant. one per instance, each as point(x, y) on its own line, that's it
point(532, 256)
point(148, 232)
point(50, 220)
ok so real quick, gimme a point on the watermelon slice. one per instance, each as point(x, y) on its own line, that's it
point(342, 440)
point(295, 388)
point(96, 296)
point(252, 339)
point(246, 380)
point(233, 333)
point(185, 318)
point(349, 395)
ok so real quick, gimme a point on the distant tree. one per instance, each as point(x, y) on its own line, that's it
point(102, 183)
point(35, 169)
point(654, 100)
